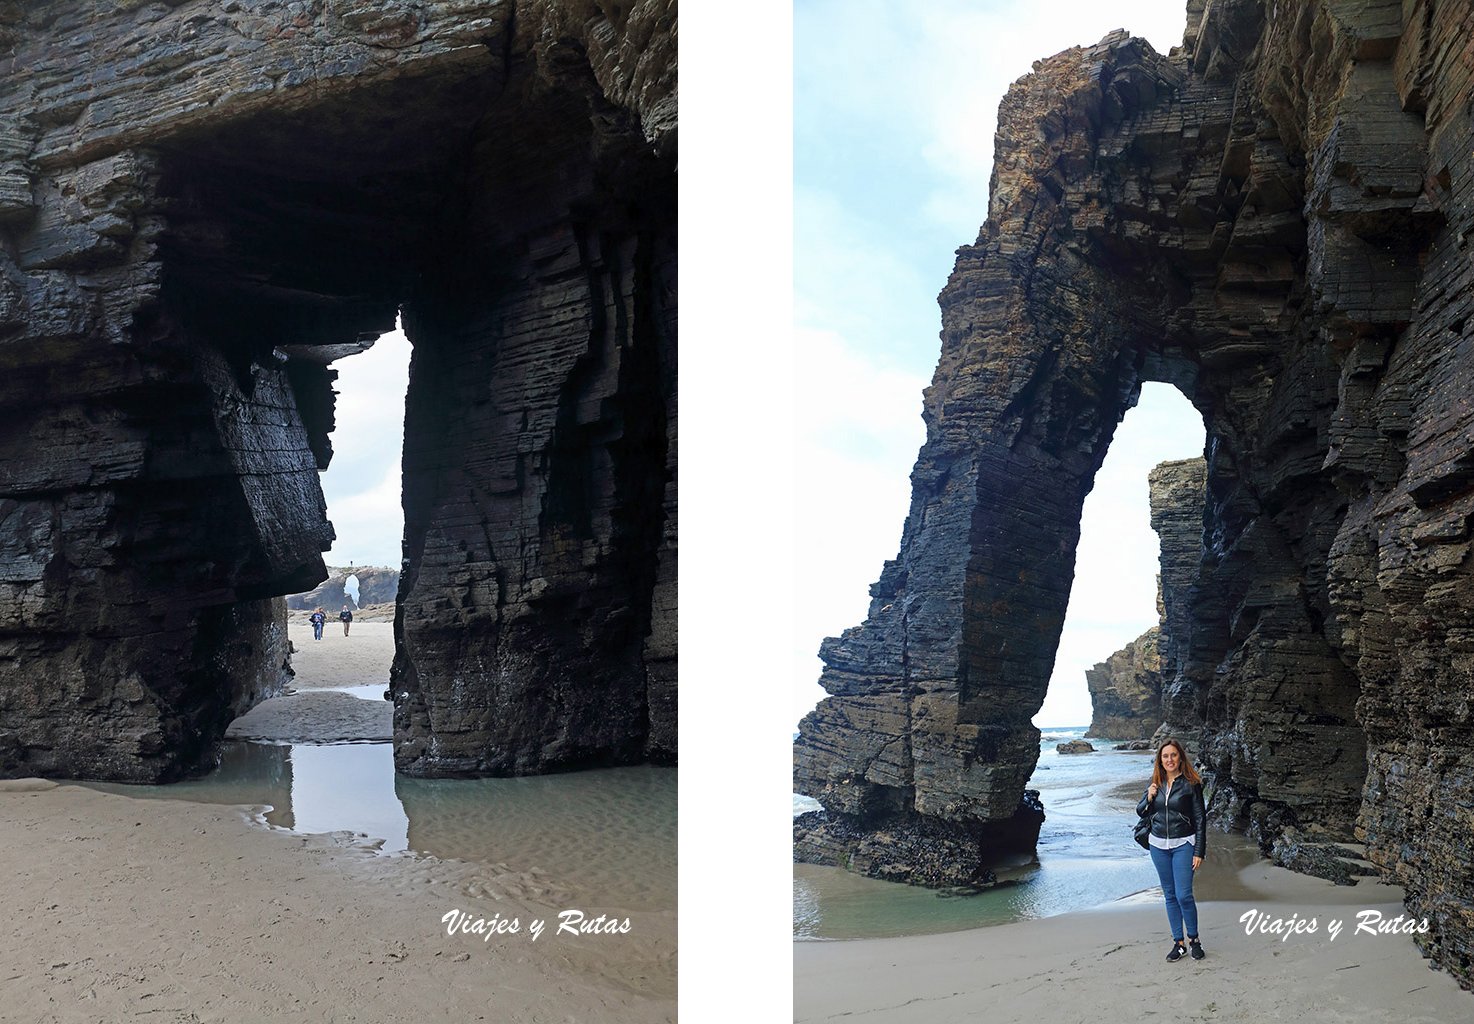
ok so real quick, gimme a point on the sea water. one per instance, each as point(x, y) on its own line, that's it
point(1086, 857)
point(606, 836)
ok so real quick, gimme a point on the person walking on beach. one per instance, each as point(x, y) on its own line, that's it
point(318, 618)
point(1178, 840)
point(345, 617)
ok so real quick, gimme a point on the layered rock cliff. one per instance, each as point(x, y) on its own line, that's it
point(203, 205)
point(1126, 690)
point(376, 585)
point(1275, 218)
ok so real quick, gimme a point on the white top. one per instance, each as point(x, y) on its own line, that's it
point(1175, 841)
point(1170, 844)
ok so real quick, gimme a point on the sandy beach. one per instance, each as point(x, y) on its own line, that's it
point(124, 908)
point(1108, 964)
point(311, 711)
point(361, 658)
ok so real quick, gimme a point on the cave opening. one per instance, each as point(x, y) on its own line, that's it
point(522, 227)
point(1117, 605)
point(536, 459)
point(290, 242)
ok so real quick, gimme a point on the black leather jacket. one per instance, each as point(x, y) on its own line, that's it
point(1180, 814)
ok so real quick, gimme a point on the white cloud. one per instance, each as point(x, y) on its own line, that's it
point(849, 280)
point(369, 523)
point(362, 483)
point(859, 429)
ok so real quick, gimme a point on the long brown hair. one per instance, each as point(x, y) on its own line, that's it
point(1159, 774)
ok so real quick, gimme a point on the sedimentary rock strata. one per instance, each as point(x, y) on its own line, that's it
point(1275, 217)
point(376, 585)
point(205, 204)
point(1126, 690)
point(1177, 499)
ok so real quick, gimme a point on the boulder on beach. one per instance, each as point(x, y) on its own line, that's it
point(1074, 747)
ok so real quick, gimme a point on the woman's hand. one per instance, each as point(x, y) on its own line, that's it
point(1151, 793)
point(1196, 862)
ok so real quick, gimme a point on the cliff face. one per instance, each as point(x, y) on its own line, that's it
point(1177, 511)
point(1274, 218)
point(376, 585)
point(202, 206)
point(1126, 690)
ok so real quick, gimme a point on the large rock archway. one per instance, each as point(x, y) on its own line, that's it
point(203, 206)
point(1273, 218)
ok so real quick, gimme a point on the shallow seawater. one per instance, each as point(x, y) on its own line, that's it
point(607, 837)
point(373, 691)
point(1086, 857)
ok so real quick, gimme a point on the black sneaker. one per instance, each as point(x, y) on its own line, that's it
point(1178, 952)
point(1197, 949)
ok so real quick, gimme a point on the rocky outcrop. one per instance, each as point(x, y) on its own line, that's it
point(1074, 747)
point(1341, 863)
point(376, 585)
point(917, 849)
point(203, 205)
point(1274, 218)
point(1178, 500)
point(1126, 689)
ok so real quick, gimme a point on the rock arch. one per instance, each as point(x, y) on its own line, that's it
point(1272, 217)
point(376, 585)
point(204, 214)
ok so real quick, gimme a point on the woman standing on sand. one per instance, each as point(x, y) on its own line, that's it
point(1178, 840)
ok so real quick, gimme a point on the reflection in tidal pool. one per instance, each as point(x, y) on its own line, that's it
point(609, 834)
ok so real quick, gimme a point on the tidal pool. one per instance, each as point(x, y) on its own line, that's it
point(607, 835)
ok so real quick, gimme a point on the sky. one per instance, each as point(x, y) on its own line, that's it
point(894, 112)
point(362, 482)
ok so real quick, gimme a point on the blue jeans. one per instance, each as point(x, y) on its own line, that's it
point(1175, 869)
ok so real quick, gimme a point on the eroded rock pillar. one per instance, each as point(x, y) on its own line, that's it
point(155, 491)
point(928, 723)
point(536, 626)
